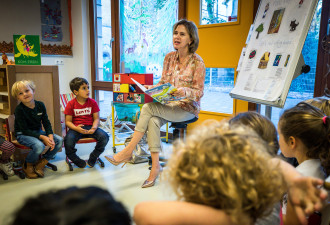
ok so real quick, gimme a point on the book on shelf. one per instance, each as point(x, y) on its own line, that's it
point(161, 93)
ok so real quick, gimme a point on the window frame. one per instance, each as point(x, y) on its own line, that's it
point(105, 85)
point(200, 26)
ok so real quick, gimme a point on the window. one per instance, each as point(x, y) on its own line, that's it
point(218, 83)
point(302, 88)
point(104, 40)
point(136, 34)
point(218, 11)
point(146, 35)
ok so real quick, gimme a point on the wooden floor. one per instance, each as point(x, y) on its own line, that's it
point(123, 183)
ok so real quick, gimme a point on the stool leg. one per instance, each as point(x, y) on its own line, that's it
point(182, 131)
point(176, 133)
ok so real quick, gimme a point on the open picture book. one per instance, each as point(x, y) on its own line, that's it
point(161, 93)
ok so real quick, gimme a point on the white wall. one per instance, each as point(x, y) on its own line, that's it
point(79, 63)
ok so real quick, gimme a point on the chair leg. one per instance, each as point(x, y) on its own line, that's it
point(176, 133)
point(182, 132)
point(69, 163)
point(101, 162)
point(52, 166)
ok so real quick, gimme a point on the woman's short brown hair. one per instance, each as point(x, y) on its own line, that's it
point(192, 31)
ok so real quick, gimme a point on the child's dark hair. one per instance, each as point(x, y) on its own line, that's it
point(311, 127)
point(261, 125)
point(73, 206)
point(76, 82)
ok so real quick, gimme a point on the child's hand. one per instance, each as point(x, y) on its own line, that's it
point(81, 130)
point(92, 130)
point(180, 92)
point(47, 141)
point(306, 196)
point(51, 139)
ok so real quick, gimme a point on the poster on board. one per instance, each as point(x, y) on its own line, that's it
point(27, 50)
point(273, 51)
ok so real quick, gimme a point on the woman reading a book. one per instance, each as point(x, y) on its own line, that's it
point(183, 69)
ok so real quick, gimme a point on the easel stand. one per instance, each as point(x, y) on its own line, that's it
point(268, 112)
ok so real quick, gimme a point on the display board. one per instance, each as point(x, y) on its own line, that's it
point(273, 54)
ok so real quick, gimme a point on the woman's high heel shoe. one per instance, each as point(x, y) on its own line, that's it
point(116, 163)
point(151, 183)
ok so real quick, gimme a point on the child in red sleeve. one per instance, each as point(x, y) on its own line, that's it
point(82, 119)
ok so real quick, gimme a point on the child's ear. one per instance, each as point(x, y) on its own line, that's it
point(75, 92)
point(292, 142)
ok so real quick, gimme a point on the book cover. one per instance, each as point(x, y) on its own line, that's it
point(161, 93)
point(27, 50)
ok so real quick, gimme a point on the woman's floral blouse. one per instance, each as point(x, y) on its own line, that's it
point(189, 74)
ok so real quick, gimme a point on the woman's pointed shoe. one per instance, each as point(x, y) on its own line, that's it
point(116, 163)
point(147, 183)
point(151, 183)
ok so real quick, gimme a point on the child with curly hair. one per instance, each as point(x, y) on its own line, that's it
point(221, 174)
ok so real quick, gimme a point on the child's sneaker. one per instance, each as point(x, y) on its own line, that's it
point(7, 168)
point(92, 160)
point(77, 161)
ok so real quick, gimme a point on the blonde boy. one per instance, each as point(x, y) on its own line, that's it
point(30, 116)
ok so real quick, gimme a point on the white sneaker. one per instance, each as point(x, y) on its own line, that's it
point(7, 168)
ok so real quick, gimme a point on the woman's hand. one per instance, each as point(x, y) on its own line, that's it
point(180, 92)
point(148, 86)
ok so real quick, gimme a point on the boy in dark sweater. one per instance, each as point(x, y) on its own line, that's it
point(29, 116)
point(82, 119)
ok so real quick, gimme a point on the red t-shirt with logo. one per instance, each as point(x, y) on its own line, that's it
point(82, 114)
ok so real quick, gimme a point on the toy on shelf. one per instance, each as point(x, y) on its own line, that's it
point(6, 61)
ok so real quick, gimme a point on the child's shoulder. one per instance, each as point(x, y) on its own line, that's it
point(39, 104)
point(92, 100)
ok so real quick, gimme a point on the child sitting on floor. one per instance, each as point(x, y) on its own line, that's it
point(304, 134)
point(221, 174)
point(261, 125)
point(82, 119)
point(73, 205)
point(322, 103)
point(30, 116)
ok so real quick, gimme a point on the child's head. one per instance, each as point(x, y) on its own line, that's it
point(261, 125)
point(89, 205)
point(323, 103)
point(226, 167)
point(76, 83)
point(311, 127)
point(18, 87)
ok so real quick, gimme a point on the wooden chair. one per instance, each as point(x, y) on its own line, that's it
point(10, 129)
point(65, 98)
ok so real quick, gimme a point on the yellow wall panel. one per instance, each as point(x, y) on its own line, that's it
point(220, 46)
